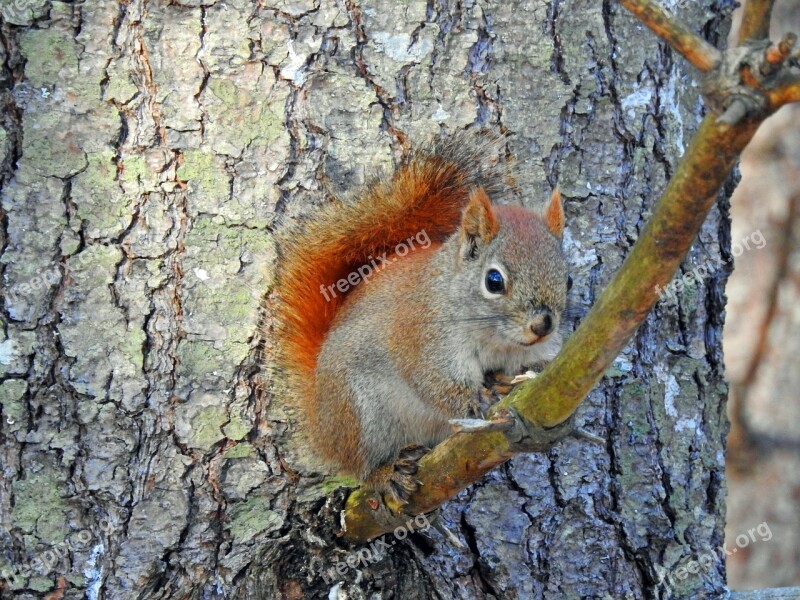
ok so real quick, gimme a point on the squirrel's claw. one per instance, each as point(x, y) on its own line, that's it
point(402, 486)
point(408, 460)
point(395, 482)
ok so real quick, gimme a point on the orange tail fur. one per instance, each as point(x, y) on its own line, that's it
point(427, 192)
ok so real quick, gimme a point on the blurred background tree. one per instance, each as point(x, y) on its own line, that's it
point(762, 349)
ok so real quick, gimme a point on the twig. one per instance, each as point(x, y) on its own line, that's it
point(755, 20)
point(785, 92)
point(752, 80)
point(737, 111)
point(778, 52)
point(694, 48)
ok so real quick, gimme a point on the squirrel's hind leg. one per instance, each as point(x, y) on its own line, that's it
point(394, 482)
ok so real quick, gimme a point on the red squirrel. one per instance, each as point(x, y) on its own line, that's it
point(393, 307)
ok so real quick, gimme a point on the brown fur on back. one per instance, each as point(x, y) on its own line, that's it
point(428, 192)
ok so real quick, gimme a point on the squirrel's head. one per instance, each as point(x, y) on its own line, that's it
point(517, 272)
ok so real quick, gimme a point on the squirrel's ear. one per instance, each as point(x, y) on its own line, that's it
point(479, 224)
point(554, 215)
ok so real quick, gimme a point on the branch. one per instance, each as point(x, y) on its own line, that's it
point(693, 48)
point(755, 20)
point(550, 399)
point(777, 53)
point(554, 395)
point(786, 92)
point(753, 79)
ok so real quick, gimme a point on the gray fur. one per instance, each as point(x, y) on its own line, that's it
point(404, 399)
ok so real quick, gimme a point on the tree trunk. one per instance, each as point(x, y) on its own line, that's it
point(151, 148)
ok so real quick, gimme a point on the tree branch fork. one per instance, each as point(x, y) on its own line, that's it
point(742, 86)
point(752, 79)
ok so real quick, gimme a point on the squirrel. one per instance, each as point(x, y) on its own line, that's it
point(392, 308)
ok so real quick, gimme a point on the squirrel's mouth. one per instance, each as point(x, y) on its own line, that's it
point(536, 340)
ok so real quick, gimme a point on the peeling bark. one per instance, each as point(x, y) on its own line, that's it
point(149, 149)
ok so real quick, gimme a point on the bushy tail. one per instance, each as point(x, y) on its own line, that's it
point(427, 192)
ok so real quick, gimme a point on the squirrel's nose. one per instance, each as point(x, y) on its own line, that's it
point(542, 323)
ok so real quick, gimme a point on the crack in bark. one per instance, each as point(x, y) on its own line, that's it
point(478, 64)
point(551, 25)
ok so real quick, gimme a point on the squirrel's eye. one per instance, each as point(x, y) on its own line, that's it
point(569, 282)
point(495, 282)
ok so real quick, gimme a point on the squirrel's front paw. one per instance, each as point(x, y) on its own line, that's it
point(395, 482)
point(501, 384)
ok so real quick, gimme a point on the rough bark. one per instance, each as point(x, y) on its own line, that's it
point(150, 149)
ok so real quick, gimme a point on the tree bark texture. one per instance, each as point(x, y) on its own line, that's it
point(149, 151)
